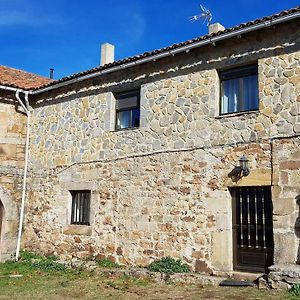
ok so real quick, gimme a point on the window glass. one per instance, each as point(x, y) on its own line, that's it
point(124, 119)
point(230, 95)
point(250, 92)
point(136, 117)
point(128, 109)
point(239, 90)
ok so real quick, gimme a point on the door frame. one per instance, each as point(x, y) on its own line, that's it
point(2, 213)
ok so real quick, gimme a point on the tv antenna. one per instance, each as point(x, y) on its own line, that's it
point(206, 16)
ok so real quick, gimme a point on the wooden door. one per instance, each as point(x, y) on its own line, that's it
point(252, 228)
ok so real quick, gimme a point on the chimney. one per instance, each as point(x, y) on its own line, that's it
point(107, 53)
point(51, 73)
point(216, 27)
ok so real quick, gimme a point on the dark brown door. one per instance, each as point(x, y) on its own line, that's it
point(1, 218)
point(252, 228)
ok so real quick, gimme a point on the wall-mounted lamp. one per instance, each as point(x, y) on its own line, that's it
point(244, 165)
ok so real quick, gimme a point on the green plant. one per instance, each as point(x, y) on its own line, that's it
point(46, 264)
point(52, 257)
point(28, 256)
point(168, 265)
point(49, 266)
point(295, 290)
point(106, 263)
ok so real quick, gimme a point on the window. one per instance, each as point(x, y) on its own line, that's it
point(80, 214)
point(128, 109)
point(239, 89)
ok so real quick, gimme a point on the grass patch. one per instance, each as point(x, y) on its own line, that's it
point(41, 281)
point(125, 282)
point(29, 263)
point(295, 290)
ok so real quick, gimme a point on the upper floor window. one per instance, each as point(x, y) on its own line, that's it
point(128, 109)
point(80, 213)
point(239, 89)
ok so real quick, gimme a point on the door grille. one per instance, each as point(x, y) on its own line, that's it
point(252, 228)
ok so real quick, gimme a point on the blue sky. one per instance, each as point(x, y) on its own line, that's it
point(66, 35)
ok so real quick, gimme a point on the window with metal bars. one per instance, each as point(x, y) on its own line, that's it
point(80, 214)
point(239, 89)
point(127, 109)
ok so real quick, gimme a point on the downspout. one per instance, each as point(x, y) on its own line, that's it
point(27, 111)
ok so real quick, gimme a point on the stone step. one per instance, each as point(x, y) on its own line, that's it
point(246, 275)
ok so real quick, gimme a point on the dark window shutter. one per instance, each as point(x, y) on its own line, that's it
point(128, 102)
point(238, 72)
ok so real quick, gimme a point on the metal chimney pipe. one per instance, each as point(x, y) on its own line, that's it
point(51, 73)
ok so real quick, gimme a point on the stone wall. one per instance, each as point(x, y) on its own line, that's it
point(179, 105)
point(12, 139)
point(172, 203)
point(162, 189)
point(286, 195)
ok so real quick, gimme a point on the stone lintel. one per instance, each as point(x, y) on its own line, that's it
point(259, 177)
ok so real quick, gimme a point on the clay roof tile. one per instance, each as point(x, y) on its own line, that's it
point(20, 79)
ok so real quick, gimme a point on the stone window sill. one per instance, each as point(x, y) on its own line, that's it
point(237, 114)
point(126, 129)
point(77, 230)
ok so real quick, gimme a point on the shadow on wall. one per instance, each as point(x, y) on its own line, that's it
point(297, 229)
point(235, 174)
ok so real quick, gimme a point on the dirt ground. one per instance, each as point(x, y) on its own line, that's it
point(39, 285)
point(38, 277)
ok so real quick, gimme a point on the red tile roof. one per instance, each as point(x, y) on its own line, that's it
point(175, 46)
point(20, 79)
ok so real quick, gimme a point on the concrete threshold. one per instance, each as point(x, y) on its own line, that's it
point(238, 275)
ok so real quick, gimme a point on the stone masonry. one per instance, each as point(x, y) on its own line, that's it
point(163, 189)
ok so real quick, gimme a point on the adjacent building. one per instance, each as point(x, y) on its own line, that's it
point(13, 120)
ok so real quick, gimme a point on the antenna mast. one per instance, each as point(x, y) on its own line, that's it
point(206, 16)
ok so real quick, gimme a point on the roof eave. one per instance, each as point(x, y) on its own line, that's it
point(15, 89)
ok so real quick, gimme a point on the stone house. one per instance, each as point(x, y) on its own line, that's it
point(190, 151)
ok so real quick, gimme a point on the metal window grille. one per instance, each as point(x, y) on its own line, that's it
point(80, 214)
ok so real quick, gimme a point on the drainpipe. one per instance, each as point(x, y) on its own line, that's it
point(27, 110)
